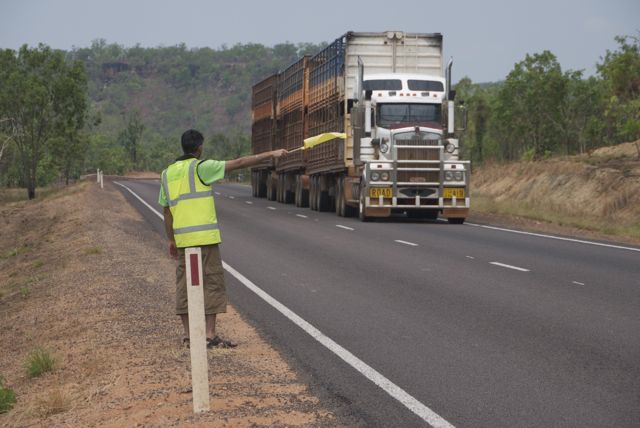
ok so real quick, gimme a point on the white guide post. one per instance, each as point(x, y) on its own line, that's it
point(101, 180)
point(197, 330)
point(98, 175)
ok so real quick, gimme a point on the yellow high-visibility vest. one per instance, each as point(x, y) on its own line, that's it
point(195, 222)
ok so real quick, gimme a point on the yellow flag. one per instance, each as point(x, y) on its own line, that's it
point(322, 138)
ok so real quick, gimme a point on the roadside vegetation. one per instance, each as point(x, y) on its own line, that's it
point(39, 362)
point(7, 397)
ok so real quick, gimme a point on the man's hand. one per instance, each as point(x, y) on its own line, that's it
point(278, 153)
point(173, 250)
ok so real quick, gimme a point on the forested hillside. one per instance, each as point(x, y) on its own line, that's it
point(141, 99)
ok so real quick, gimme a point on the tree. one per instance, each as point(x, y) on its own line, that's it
point(131, 135)
point(45, 97)
point(620, 71)
point(528, 107)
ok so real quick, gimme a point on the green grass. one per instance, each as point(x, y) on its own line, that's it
point(40, 361)
point(25, 292)
point(7, 397)
point(38, 264)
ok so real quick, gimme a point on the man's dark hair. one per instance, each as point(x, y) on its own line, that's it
point(191, 140)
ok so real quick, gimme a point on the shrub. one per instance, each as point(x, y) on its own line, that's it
point(40, 361)
point(7, 397)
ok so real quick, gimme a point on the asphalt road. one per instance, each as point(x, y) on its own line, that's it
point(483, 327)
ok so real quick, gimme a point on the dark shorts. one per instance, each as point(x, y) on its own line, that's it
point(215, 293)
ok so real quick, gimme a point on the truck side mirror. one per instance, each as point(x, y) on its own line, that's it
point(375, 142)
point(452, 95)
point(462, 111)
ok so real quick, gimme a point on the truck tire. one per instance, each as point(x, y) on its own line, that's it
point(340, 197)
point(324, 200)
point(312, 193)
point(456, 220)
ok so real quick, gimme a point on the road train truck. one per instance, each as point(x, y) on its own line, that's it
point(387, 98)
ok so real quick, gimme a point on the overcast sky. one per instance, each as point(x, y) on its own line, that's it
point(485, 37)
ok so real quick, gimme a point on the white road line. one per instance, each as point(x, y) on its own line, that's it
point(217, 193)
point(470, 257)
point(406, 243)
point(301, 215)
point(411, 403)
point(248, 202)
point(578, 283)
point(510, 267)
point(232, 197)
point(156, 212)
point(344, 227)
point(542, 235)
point(271, 208)
point(367, 371)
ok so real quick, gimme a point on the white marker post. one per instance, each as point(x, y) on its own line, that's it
point(197, 330)
point(98, 175)
point(101, 180)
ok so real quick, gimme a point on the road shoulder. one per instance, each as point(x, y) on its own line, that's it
point(91, 283)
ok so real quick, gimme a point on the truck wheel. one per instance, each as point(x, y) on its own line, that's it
point(340, 197)
point(456, 220)
point(261, 184)
point(254, 184)
point(361, 214)
point(324, 201)
point(312, 193)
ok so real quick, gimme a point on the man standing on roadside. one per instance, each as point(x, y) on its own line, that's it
point(190, 220)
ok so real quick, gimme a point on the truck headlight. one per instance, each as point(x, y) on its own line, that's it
point(448, 175)
point(384, 176)
point(458, 175)
point(449, 148)
point(384, 147)
point(375, 176)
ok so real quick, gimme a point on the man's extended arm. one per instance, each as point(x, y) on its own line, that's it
point(168, 228)
point(247, 161)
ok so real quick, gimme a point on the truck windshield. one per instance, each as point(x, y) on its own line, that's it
point(392, 115)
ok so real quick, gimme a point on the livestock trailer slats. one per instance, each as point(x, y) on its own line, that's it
point(292, 88)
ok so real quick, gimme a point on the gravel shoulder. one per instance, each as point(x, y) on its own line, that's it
point(82, 276)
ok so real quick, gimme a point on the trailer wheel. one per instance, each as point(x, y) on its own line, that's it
point(340, 197)
point(456, 220)
point(312, 193)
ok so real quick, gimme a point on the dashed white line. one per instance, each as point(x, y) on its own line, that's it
point(344, 227)
point(248, 202)
point(301, 215)
point(542, 235)
point(578, 283)
point(412, 244)
point(217, 193)
point(271, 208)
point(407, 400)
point(232, 197)
point(470, 257)
point(510, 266)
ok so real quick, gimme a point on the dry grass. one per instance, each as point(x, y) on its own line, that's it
point(598, 193)
point(54, 402)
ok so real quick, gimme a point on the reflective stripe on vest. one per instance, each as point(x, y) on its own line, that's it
point(192, 205)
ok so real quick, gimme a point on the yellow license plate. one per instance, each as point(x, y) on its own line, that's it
point(376, 192)
point(450, 193)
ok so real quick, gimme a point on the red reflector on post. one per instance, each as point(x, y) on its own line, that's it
point(195, 273)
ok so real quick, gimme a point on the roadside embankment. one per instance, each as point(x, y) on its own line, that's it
point(86, 281)
point(596, 194)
